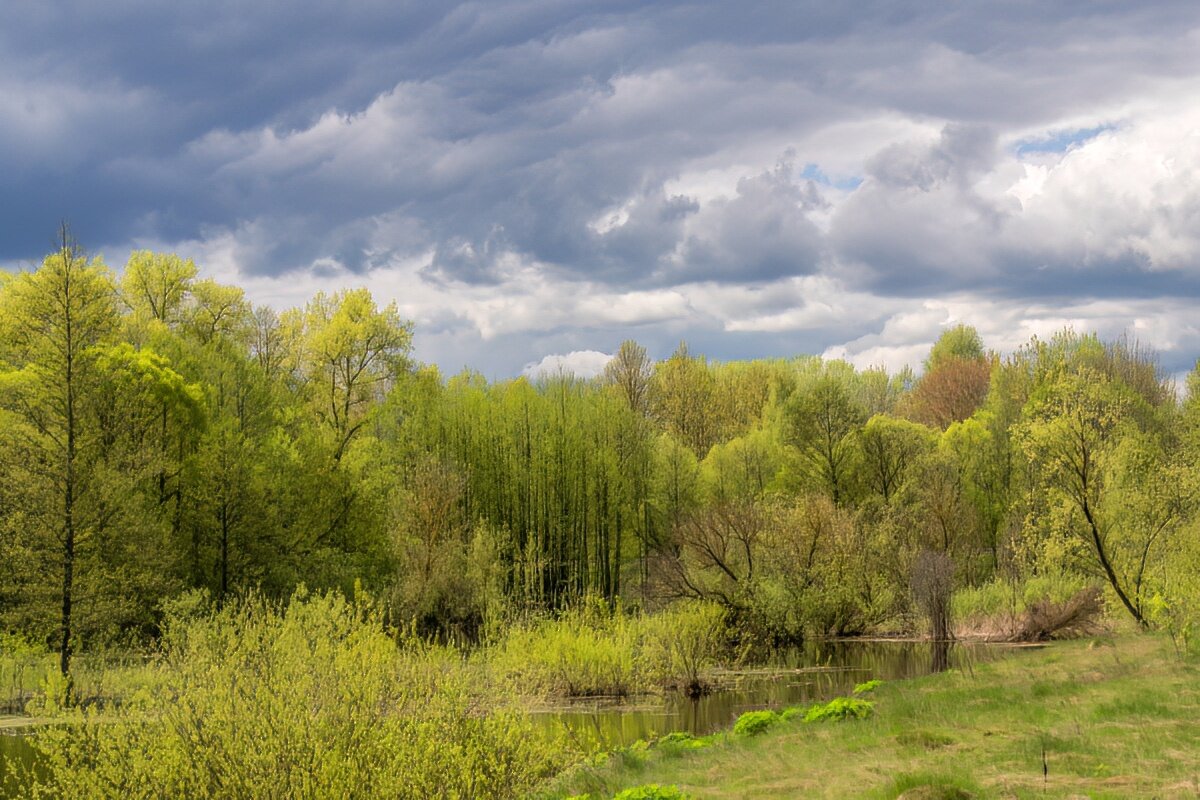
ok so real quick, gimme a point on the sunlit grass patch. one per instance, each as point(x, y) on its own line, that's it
point(1069, 720)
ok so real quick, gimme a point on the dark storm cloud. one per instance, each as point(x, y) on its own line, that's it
point(621, 146)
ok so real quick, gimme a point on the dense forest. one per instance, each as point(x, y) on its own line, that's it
point(159, 433)
point(267, 554)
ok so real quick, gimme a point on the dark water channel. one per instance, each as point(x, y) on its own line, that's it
point(818, 671)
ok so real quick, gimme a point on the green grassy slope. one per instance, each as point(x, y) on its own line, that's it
point(1115, 718)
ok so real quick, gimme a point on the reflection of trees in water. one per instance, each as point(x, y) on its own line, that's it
point(817, 672)
point(932, 585)
point(940, 650)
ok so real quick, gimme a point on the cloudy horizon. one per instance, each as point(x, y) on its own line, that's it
point(533, 182)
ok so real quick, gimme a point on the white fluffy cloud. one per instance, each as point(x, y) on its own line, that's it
point(580, 363)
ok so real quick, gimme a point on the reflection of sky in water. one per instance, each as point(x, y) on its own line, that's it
point(818, 671)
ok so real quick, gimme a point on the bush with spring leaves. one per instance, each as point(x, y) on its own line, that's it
point(313, 700)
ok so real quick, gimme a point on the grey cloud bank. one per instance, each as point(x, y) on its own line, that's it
point(535, 181)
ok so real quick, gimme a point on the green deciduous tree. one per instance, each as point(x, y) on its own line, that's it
point(890, 447)
point(1111, 484)
point(348, 354)
point(822, 418)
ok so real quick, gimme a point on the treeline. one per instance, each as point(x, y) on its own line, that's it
point(160, 433)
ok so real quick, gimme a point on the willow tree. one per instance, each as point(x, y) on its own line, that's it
point(1113, 488)
point(822, 419)
point(890, 447)
point(683, 389)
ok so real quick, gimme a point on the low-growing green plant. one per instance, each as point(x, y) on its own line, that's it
point(651, 791)
point(754, 722)
point(792, 712)
point(675, 736)
point(680, 741)
point(314, 700)
point(840, 708)
point(868, 686)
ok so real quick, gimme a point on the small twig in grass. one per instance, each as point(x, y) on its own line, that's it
point(1045, 766)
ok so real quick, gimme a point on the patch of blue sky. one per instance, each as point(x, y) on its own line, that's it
point(1061, 141)
point(815, 174)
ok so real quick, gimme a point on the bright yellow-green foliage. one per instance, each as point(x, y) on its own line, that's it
point(1111, 719)
point(348, 351)
point(155, 286)
point(314, 701)
point(581, 653)
point(961, 341)
point(840, 708)
point(755, 722)
point(591, 650)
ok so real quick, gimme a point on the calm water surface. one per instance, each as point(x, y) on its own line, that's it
point(818, 671)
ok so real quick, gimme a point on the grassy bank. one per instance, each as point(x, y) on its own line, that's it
point(1105, 719)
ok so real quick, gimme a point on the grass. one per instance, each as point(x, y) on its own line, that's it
point(1106, 719)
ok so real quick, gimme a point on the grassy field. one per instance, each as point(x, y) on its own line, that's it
point(1112, 718)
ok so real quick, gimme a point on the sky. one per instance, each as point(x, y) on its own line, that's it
point(534, 181)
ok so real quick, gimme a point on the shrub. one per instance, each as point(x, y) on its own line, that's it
point(1001, 609)
point(754, 722)
point(840, 708)
point(675, 736)
point(790, 713)
point(315, 700)
point(1077, 616)
point(23, 667)
point(682, 643)
point(869, 686)
point(591, 650)
point(680, 741)
point(586, 651)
